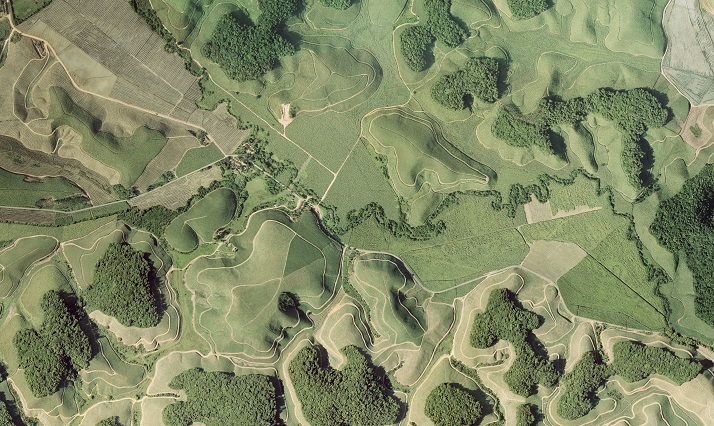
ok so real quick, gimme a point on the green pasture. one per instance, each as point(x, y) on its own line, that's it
point(419, 159)
point(16, 260)
point(603, 235)
point(39, 281)
point(129, 155)
point(235, 295)
point(23, 191)
point(198, 158)
point(477, 240)
point(199, 222)
point(23, 9)
point(591, 291)
point(394, 312)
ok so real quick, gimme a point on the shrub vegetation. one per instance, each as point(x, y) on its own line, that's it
point(450, 405)
point(218, 399)
point(504, 320)
point(685, 223)
point(524, 9)
point(247, 51)
point(440, 25)
point(479, 78)
point(54, 353)
point(355, 395)
point(122, 288)
point(110, 421)
point(579, 386)
point(635, 361)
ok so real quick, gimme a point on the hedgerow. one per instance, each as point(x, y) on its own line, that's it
point(579, 386)
point(635, 361)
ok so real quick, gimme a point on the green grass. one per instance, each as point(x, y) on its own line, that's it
point(22, 191)
point(419, 158)
point(198, 158)
point(129, 155)
point(235, 295)
point(591, 291)
point(385, 288)
point(23, 9)
point(199, 222)
point(477, 240)
point(17, 259)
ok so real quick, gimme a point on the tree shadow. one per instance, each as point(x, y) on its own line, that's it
point(155, 283)
point(75, 306)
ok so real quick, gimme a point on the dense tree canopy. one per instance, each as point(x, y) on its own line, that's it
point(524, 9)
point(337, 4)
point(246, 51)
point(579, 386)
point(479, 78)
point(287, 301)
point(504, 320)
point(520, 131)
point(355, 395)
point(525, 416)
point(121, 287)
point(440, 25)
point(635, 361)
point(154, 219)
point(684, 223)
point(632, 111)
point(415, 44)
point(110, 421)
point(219, 399)
point(54, 353)
point(450, 405)
point(5, 417)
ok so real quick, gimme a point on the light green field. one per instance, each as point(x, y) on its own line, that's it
point(19, 257)
point(235, 296)
point(603, 236)
point(591, 291)
point(477, 240)
point(397, 314)
point(198, 223)
point(129, 155)
point(21, 191)
point(197, 158)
